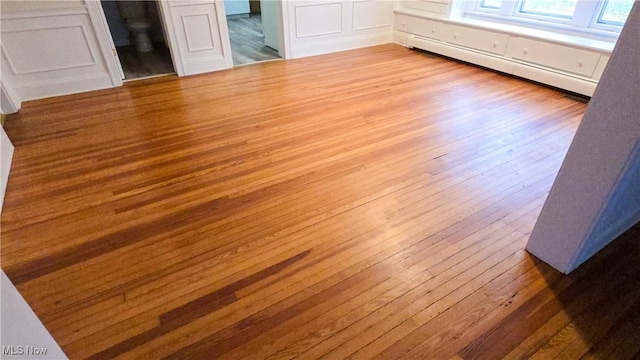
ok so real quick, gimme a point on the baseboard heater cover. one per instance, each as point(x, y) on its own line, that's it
point(507, 66)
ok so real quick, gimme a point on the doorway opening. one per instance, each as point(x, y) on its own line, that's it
point(139, 38)
point(253, 30)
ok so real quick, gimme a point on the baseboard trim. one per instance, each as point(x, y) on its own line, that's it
point(342, 44)
point(66, 86)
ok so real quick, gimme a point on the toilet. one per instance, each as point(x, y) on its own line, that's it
point(135, 15)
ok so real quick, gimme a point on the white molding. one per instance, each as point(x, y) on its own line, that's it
point(178, 3)
point(322, 33)
point(223, 29)
point(65, 73)
point(353, 17)
point(370, 27)
point(341, 44)
point(183, 53)
point(172, 37)
point(286, 31)
point(184, 26)
point(69, 66)
point(41, 89)
point(24, 14)
point(105, 41)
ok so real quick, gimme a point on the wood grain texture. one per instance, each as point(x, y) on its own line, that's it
point(373, 203)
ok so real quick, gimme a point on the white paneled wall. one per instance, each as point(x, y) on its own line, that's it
point(316, 20)
point(370, 14)
point(320, 27)
point(195, 30)
point(48, 51)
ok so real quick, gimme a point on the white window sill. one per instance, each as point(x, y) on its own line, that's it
point(553, 36)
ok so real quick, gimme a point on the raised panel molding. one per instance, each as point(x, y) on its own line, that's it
point(371, 14)
point(198, 40)
point(52, 52)
point(50, 49)
point(43, 13)
point(318, 19)
point(178, 3)
point(197, 31)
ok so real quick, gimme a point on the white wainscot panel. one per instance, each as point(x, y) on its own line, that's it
point(200, 43)
point(49, 49)
point(50, 53)
point(197, 39)
point(318, 19)
point(370, 14)
point(434, 6)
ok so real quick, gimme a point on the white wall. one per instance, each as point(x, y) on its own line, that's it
point(50, 48)
point(320, 27)
point(595, 196)
point(9, 5)
point(21, 329)
point(236, 7)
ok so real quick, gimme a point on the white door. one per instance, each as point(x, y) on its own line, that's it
point(271, 20)
point(198, 35)
point(103, 19)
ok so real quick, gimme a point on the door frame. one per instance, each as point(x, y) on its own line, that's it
point(283, 29)
point(114, 67)
point(105, 41)
point(165, 15)
point(285, 39)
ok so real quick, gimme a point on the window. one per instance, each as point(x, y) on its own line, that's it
point(552, 8)
point(490, 4)
point(614, 12)
point(594, 16)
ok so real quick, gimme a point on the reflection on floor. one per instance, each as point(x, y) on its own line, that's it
point(138, 65)
point(247, 40)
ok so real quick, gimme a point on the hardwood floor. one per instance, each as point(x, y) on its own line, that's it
point(247, 40)
point(373, 203)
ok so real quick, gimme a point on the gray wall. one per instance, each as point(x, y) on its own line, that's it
point(21, 328)
point(595, 196)
point(622, 209)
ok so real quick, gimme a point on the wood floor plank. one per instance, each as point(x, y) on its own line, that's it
point(369, 203)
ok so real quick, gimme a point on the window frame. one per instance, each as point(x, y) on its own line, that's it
point(583, 20)
point(595, 24)
point(542, 16)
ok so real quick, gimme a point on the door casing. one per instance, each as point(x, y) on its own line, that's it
point(105, 39)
